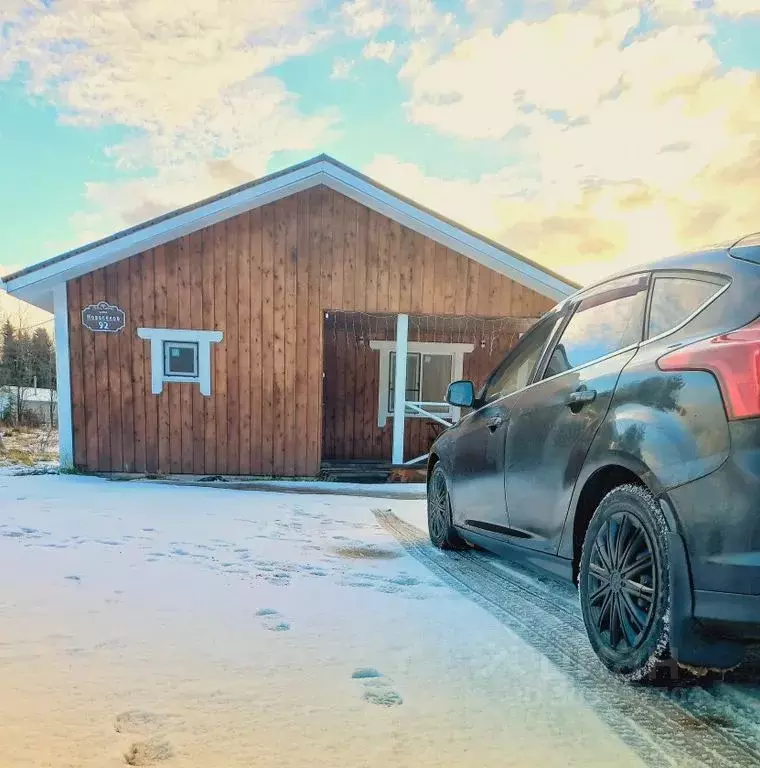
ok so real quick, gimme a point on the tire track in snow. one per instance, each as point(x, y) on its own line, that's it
point(697, 729)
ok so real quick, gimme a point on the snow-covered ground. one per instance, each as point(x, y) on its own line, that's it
point(150, 624)
point(145, 624)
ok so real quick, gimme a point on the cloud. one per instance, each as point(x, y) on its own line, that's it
point(364, 18)
point(382, 51)
point(487, 12)
point(342, 69)
point(475, 203)
point(455, 92)
point(114, 205)
point(736, 8)
point(190, 79)
point(151, 63)
point(628, 144)
point(630, 138)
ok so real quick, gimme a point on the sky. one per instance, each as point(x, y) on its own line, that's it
point(586, 134)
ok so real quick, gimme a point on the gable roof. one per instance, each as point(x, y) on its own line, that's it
point(35, 283)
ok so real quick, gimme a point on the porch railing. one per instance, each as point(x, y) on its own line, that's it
point(420, 408)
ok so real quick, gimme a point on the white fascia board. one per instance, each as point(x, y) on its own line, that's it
point(445, 233)
point(33, 286)
point(44, 298)
point(36, 287)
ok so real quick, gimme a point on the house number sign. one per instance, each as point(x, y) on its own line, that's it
point(104, 318)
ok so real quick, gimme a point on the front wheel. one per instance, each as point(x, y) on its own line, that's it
point(440, 526)
point(624, 583)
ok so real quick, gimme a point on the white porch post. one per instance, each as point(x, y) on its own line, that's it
point(399, 395)
point(63, 376)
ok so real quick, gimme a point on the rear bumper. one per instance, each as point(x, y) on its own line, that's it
point(707, 628)
point(728, 614)
point(719, 518)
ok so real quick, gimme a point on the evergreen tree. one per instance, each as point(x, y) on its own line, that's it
point(41, 358)
point(9, 357)
point(25, 359)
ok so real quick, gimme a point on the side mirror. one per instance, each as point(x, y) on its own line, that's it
point(461, 394)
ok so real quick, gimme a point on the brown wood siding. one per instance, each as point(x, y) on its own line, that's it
point(266, 279)
point(352, 370)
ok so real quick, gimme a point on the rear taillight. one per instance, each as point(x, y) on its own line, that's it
point(734, 359)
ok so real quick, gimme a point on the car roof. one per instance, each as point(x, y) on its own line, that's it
point(714, 258)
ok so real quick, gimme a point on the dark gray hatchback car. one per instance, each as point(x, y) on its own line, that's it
point(618, 445)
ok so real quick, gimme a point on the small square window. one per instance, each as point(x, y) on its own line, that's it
point(181, 359)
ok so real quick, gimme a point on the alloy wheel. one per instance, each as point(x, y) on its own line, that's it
point(438, 507)
point(622, 582)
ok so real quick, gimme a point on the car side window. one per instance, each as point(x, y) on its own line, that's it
point(608, 320)
point(517, 367)
point(674, 299)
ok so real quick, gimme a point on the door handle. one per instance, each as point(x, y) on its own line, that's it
point(494, 423)
point(576, 400)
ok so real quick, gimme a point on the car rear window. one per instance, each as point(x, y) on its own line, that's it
point(674, 299)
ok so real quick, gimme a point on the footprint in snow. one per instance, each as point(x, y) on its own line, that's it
point(383, 697)
point(377, 690)
point(271, 621)
point(365, 673)
point(148, 752)
point(138, 721)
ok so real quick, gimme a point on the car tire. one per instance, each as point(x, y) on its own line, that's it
point(624, 584)
point(440, 526)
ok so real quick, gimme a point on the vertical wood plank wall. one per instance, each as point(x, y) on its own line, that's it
point(265, 278)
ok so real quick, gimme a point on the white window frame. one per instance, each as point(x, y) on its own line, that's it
point(159, 336)
point(193, 345)
point(385, 347)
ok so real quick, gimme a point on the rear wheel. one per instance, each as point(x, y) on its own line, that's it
point(624, 583)
point(442, 532)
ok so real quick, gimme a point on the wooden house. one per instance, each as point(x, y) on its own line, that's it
point(255, 333)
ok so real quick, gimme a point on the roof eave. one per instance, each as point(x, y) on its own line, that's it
point(35, 284)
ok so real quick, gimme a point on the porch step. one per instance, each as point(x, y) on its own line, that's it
point(369, 472)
